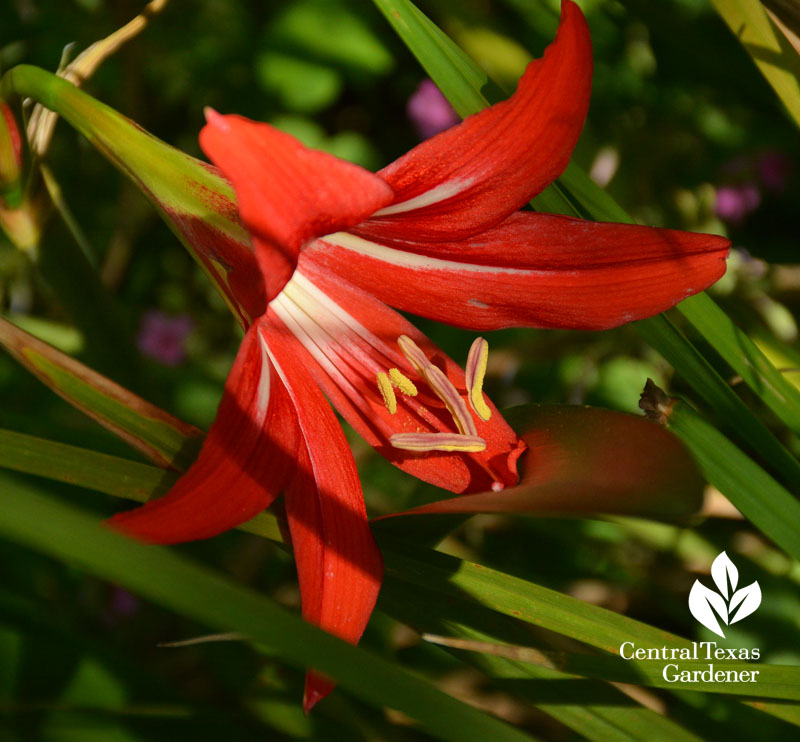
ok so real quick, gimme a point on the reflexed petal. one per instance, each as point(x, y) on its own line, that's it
point(472, 176)
point(537, 270)
point(287, 193)
point(246, 460)
point(338, 564)
point(346, 338)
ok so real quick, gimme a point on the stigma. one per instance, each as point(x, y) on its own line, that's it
point(465, 439)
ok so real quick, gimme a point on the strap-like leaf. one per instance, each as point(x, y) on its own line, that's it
point(162, 438)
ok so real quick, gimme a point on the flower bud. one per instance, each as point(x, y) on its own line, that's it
point(10, 158)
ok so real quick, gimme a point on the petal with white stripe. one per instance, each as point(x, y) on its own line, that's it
point(338, 564)
point(346, 337)
point(287, 194)
point(535, 270)
point(247, 458)
point(473, 175)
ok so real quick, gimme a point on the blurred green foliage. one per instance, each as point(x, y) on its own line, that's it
point(678, 110)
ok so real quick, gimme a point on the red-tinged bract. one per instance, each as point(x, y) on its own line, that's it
point(437, 233)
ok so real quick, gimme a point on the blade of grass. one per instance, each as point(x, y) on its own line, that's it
point(761, 499)
point(442, 578)
point(66, 533)
point(770, 49)
point(162, 438)
point(771, 681)
point(446, 577)
point(100, 472)
point(593, 709)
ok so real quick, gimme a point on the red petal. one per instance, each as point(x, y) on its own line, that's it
point(246, 459)
point(338, 564)
point(567, 469)
point(345, 337)
point(472, 176)
point(287, 194)
point(537, 270)
point(224, 256)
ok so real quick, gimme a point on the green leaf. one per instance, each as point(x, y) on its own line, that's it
point(81, 467)
point(162, 438)
point(38, 522)
point(103, 473)
point(744, 357)
point(301, 85)
point(195, 201)
point(566, 469)
point(769, 47)
point(591, 708)
point(769, 681)
point(761, 499)
point(721, 400)
point(444, 577)
point(480, 594)
point(330, 33)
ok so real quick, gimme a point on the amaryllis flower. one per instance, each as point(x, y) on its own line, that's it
point(437, 233)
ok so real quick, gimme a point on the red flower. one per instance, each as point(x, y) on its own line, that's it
point(436, 233)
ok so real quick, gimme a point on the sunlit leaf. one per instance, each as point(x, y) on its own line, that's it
point(768, 505)
point(774, 681)
point(770, 48)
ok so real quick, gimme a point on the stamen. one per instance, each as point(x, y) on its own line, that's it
point(475, 371)
point(438, 442)
point(402, 382)
point(387, 392)
point(440, 384)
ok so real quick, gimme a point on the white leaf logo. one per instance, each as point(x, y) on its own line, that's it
point(750, 599)
point(708, 606)
point(723, 570)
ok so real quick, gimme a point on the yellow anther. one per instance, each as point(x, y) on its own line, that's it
point(402, 382)
point(438, 442)
point(387, 392)
point(475, 371)
point(440, 385)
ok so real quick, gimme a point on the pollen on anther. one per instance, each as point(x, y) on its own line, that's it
point(387, 392)
point(448, 442)
point(440, 385)
point(475, 372)
point(402, 382)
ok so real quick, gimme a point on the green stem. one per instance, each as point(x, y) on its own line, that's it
point(65, 267)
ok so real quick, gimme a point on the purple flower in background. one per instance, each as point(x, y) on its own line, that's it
point(430, 111)
point(122, 604)
point(735, 202)
point(774, 169)
point(163, 338)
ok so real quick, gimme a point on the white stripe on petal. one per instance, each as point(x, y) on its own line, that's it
point(264, 382)
point(433, 196)
point(411, 260)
